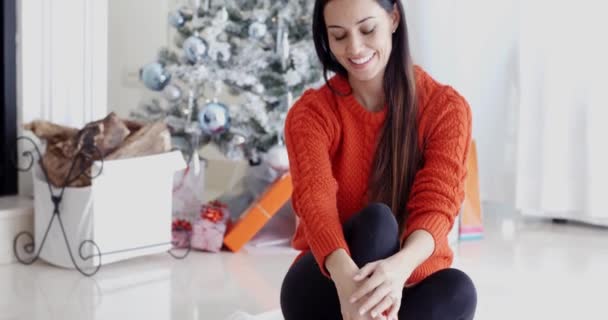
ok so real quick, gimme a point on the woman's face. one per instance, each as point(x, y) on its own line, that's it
point(360, 36)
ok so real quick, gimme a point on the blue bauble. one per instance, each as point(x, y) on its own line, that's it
point(155, 76)
point(176, 19)
point(213, 118)
point(195, 49)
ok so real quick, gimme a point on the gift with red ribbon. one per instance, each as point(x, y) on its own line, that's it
point(209, 228)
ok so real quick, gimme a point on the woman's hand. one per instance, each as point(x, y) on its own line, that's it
point(382, 287)
point(346, 286)
point(343, 269)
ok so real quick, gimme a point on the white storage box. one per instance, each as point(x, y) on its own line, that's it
point(126, 211)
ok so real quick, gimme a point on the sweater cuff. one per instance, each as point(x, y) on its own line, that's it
point(437, 225)
point(324, 242)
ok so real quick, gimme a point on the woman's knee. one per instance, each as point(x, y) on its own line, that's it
point(462, 291)
point(372, 234)
point(378, 216)
point(290, 295)
point(306, 293)
point(285, 300)
point(446, 294)
point(292, 287)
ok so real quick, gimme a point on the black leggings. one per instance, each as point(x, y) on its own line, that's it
point(372, 234)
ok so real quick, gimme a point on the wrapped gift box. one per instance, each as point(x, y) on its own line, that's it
point(259, 213)
point(210, 227)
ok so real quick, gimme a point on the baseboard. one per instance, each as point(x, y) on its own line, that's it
point(16, 215)
point(570, 216)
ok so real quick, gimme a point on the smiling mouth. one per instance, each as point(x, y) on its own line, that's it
point(363, 61)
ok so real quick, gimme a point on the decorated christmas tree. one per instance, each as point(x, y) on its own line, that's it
point(259, 52)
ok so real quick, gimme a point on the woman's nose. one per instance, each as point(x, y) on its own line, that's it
point(354, 46)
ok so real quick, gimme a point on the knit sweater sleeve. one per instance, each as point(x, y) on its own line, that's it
point(438, 188)
point(310, 132)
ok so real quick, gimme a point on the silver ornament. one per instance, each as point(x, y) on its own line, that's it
point(154, 76)
point(195, 49)
point(176, 19)
point(257, 30)
point(213, 118)
point(172, 92)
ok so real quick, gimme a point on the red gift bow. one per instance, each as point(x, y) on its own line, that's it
point(213, 211)
point(212, 214)
point(181, 225)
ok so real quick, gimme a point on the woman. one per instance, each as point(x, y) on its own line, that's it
point(377, 158)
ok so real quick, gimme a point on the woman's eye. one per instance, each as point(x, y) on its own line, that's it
point(370, 31)
point(365, 32)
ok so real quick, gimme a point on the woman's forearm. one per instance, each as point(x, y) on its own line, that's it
point(338, 262)
point(417, 248)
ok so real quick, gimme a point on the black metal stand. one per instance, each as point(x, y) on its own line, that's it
point(79, 166)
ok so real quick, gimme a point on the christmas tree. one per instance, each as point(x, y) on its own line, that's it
point(259, 51)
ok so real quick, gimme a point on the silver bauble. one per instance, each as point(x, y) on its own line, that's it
point(195, 49)
point(154, 76)
point(176, 19)
point(172, 93)
point(213, 118)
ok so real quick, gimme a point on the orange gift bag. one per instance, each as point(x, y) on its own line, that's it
point(471, 226)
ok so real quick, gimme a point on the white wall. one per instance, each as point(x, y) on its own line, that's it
point(79, 59)
point(473, 46)
point(137, 30)
point(62, 52)
point(62, 63)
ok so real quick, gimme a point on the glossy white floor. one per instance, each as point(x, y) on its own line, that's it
point(524, 269)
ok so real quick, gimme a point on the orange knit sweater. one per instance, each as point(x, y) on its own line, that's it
point(331, 142)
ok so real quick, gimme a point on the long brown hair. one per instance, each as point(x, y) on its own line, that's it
point(398, 156)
